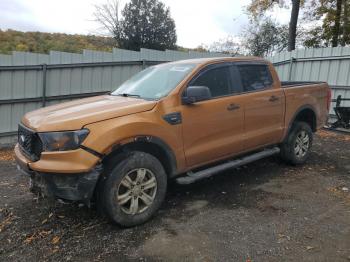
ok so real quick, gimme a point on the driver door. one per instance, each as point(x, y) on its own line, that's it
point(213, 129)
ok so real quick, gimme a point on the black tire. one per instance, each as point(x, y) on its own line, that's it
point(112, 184)
point(289, 146)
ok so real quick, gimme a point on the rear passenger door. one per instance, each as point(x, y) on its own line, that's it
point(213, 129)
point(263, 106)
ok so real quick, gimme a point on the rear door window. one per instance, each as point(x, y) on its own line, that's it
point(255, 77)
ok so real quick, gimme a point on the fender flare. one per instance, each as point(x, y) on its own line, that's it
point(170, 156)
point(290, 124)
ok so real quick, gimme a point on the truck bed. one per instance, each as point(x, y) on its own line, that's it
point(300, 94)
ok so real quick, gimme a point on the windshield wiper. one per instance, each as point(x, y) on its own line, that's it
point(133, 95)
point(128, 95)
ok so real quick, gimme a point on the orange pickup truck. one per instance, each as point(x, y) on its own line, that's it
point(186, 120)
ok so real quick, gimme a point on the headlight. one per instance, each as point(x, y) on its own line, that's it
point(62, 141)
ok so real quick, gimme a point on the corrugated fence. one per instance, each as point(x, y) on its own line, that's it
point(331, 65)
point(29, 81)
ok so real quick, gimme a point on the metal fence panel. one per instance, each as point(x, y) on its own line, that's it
point(331, 65)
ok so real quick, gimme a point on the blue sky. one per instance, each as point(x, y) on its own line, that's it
point(197, 21)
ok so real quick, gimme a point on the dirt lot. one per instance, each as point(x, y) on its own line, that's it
point(265, 211)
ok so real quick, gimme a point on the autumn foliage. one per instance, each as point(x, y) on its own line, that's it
point(39, 42)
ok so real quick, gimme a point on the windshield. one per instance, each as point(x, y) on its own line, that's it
point(154, 82)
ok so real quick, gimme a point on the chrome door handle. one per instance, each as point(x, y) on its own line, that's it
point(273, 98)
point(232, 107)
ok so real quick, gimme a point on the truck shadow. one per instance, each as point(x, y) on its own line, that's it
point(230, 189)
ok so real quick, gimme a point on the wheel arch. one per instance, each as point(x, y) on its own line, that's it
point(148, 144)
point(307, 114)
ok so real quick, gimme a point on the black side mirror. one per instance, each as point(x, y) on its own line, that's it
point(195, 94)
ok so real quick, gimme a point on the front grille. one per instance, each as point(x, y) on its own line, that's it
point(29, 142)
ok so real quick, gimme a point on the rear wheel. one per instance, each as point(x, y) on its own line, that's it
point(134, 189)
point(296, 148)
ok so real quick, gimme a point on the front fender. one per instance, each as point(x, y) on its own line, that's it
point(106, 135)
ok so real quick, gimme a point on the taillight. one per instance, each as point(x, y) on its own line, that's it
point(329, 99)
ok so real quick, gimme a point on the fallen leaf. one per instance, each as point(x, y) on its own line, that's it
point(309, 247)
point(7, 155)
point(55, 250)
point(44, 233)
point(7, 221)
point(55, 240)
point(29, 239)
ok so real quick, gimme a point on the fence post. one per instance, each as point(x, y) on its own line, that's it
point(292, 59)
point(144, 64)
point(44, 85)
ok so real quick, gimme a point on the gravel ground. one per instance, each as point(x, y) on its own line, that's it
point(265, 211)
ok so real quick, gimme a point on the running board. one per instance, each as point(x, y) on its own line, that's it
point(193, 177)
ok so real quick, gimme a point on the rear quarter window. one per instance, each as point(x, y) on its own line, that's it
point(255, 77)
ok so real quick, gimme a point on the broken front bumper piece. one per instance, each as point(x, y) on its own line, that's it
point(73, 187)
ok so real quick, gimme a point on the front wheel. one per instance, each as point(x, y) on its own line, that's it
point(296, 148)
point(134, 189)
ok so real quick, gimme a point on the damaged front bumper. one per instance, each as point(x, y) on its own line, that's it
point(47, 180)
point(73, 187)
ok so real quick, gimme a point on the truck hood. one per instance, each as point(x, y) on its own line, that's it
point(78, 113)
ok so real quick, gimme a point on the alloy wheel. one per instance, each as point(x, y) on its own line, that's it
point(137, 191)
point(302, 144)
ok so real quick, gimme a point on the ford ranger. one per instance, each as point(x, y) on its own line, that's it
point(186, 120)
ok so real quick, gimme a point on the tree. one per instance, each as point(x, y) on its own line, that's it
point(228, 45)
point(258, 8)
point(107, 15)
point(143, 23)
point(264, 38)
point(346, 23)
point(292, 33)
point(39, 42)
point(334, 29)
point(313, 38)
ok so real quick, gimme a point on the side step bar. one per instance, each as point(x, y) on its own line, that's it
point(193, 177)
